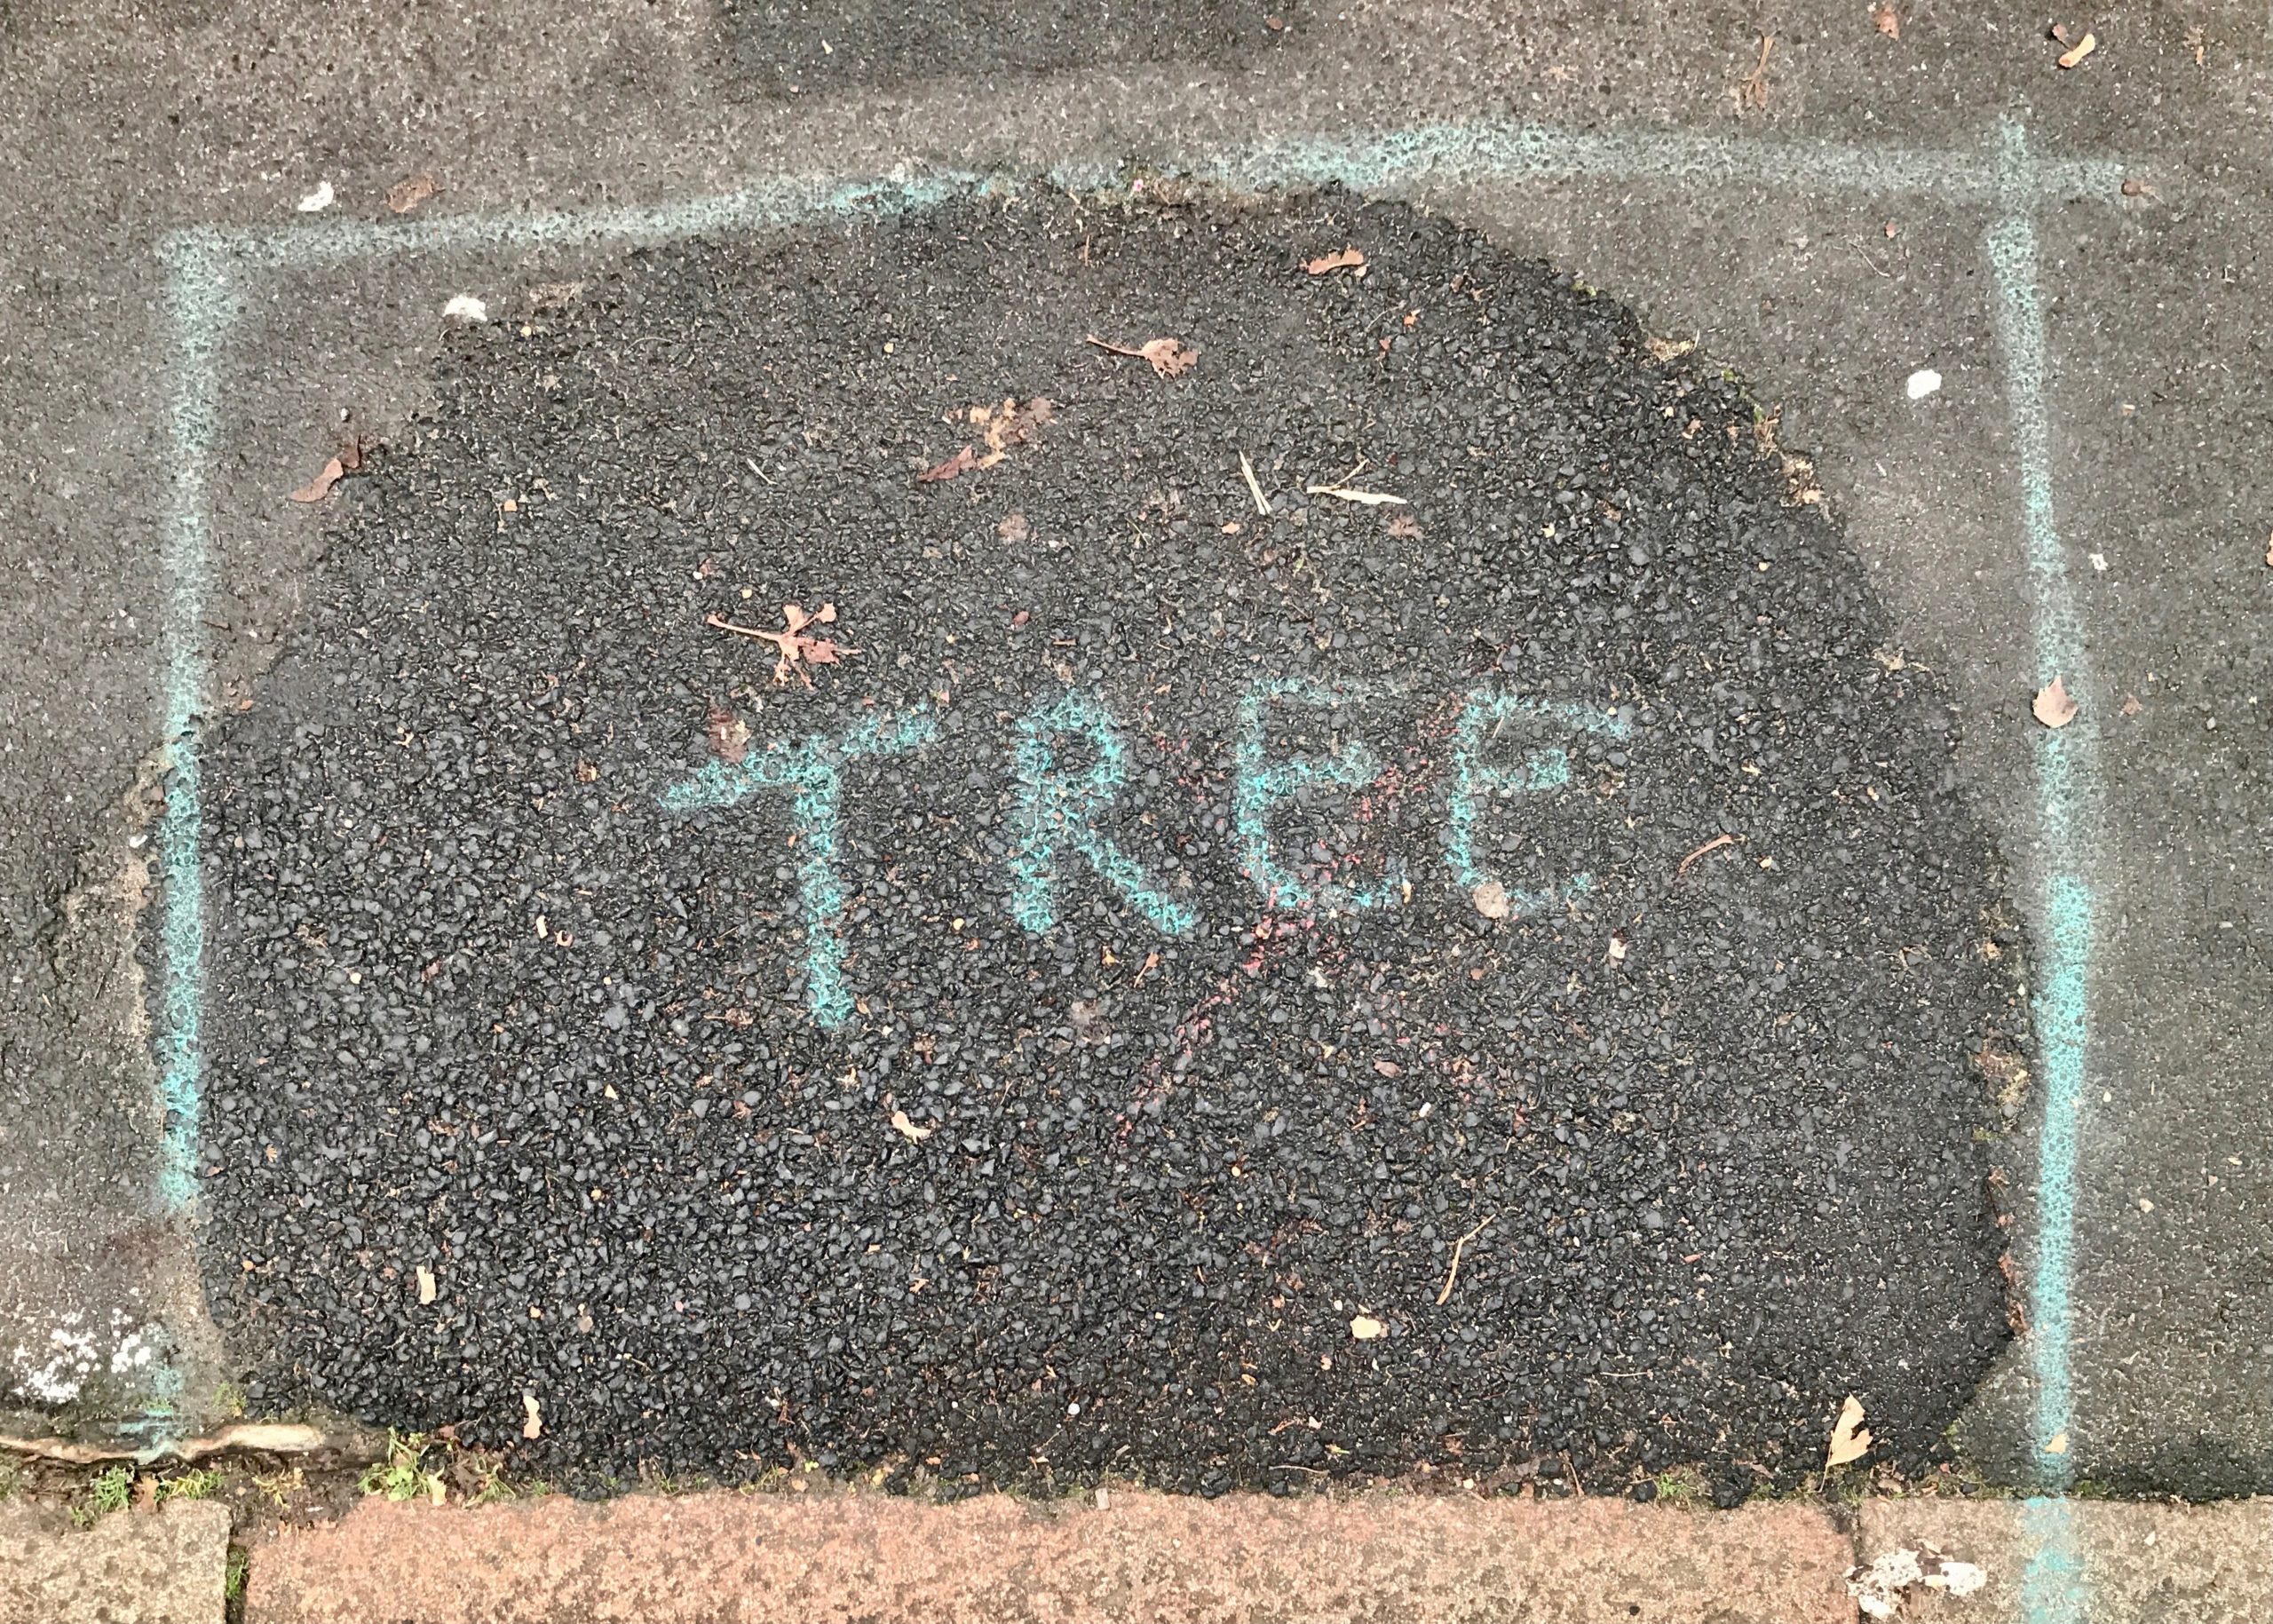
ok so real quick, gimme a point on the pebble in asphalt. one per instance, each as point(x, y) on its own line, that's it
point(1078, 1022)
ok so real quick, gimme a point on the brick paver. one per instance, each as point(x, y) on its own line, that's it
point(1143, 1559)
point(166, 1566)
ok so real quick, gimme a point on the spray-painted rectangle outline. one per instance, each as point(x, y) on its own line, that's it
point(203, 266)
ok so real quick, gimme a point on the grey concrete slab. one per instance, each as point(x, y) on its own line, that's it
point(2125, 1564)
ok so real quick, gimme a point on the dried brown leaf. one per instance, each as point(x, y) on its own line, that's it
point(1170, 357)
point(2073, 57)
point(1365, 1327)
point(319, 487)
point(532, 1416)
point(1883, 18)
point(1348, 258)
point(409, 192)
point(426, 1287)
point(2053, 707)
point(1011, 423)
point(1404, 526)
point(1491, 900)
point(906, 1130)
point(793, 650)
point(1850, 1439)
point(1014, 527)
point(961, 462)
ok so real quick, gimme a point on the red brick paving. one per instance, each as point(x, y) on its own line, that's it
point(785, 1558)
point(166, 1566)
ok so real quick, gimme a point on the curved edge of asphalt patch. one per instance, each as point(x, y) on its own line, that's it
point(648, 296)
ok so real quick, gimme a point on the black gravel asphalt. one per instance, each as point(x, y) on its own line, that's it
point(917, 1185)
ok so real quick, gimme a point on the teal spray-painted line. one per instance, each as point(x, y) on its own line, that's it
point(2055, 1585)
point(1496, 152)
point(774, 200)
point(1259, 786)
point(198, 310)
point(1475, 780)
point(814, 772)
point(1063, 808)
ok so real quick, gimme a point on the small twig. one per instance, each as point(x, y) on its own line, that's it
point(1713, 844)
point(1459, 1245)
point(780, 640)
point(1572, 1472)
point(1754, 91)
point(1862, 254)
point(1253, 489)
point(1116, 349)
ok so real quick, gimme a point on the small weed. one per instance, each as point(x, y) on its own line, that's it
point(202, 1482)
point(11, 1479)
point(112, 1488)
point(478, 1476)
point(229, 1399)
point(1681, 1486)
point(280, 1486)
point(107, 1491)
point(233, 1585)
point(403, 1474)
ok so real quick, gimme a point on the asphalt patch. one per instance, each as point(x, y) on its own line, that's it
point(1141, 985)
point(818, 47)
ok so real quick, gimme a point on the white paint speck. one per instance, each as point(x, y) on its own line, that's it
point(1923, 383)
point(317, 201)
point(58, 1372)
point(2099, 562)
point(465, 307)
point(132, 1354)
